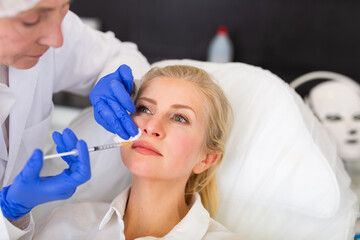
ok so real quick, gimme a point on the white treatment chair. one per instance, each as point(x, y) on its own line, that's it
point(280, 178)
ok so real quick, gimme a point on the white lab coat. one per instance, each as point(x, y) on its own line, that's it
point(85, 56)
point(7, 100)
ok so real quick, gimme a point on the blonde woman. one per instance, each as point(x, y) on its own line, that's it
point(184, 117)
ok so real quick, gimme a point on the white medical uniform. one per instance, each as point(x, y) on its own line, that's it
point(85, 56)
point(91, 220)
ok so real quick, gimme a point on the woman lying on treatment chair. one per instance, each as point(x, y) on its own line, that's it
point(184, 117)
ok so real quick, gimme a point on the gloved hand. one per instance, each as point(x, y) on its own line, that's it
point(29, 189)
point(111, 100)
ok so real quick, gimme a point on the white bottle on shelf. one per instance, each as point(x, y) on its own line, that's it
point(220, 49)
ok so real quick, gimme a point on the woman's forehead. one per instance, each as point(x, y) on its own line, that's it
point(42, 6)
point(174, 91)
point(174, 85)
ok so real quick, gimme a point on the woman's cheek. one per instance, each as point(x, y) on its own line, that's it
point(184, 146)
point(124, 153)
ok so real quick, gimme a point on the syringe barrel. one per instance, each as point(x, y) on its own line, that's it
point(106, 146)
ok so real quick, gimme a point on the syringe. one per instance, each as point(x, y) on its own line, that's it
point(91, 149)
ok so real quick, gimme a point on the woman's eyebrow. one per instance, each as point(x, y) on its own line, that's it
point(173, 106)
point(182, 106)
point(147, 99)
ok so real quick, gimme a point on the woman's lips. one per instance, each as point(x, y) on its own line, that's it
point(35, 56)
point(145, 148)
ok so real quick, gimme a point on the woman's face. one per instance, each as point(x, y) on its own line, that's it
point(171, 114)
point(25, 37)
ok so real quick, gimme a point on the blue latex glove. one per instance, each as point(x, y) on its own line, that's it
point(111, 100)
point(29, 189)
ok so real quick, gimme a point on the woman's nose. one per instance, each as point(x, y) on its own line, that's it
point(154, 127)
point(53, 37)
point(52, 34)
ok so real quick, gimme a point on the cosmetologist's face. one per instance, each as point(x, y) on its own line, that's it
point(338, 108)
point(25, 37)
point(171, 114)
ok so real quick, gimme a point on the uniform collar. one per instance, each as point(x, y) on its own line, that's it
point(117, 206)
point(23, 84)
point(193, 226)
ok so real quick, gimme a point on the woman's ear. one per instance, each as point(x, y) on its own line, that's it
point(208, 161)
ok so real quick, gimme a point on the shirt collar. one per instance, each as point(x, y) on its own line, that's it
point(117, 206)
point(193, 226)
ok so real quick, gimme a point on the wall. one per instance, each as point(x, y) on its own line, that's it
point(288, 37)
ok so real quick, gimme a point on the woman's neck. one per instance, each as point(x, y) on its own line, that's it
point(154, 208)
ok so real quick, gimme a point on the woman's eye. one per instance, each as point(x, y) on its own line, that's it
point(31, 22)
point(142, 109)
point(179, 118)
point(333, 117)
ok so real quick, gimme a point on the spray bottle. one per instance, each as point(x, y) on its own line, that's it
point(220, 49)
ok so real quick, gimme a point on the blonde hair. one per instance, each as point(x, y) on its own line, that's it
point(218, 120)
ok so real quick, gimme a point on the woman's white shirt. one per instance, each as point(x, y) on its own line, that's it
point(91, 220)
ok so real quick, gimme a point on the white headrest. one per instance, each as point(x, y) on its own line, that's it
point(279, 159)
